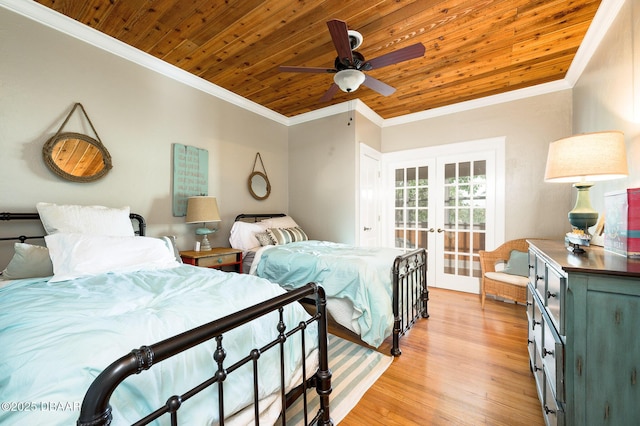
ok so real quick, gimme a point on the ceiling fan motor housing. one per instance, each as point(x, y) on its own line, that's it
point(357, 64)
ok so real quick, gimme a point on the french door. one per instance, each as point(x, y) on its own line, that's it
point(447, 204)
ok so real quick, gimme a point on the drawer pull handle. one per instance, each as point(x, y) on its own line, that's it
point(533, 327)
point(538, 278)
point(529, 342)
point(536, 368)
point(549, 410)
point(219, 260)
point(545, 352)
point(550, 295)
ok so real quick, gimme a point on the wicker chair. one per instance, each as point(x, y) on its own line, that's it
point(512, 287)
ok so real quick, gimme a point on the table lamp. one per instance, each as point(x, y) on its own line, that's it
point(203, 209)
point(583, 159)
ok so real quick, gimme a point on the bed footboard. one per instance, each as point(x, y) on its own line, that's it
point(410, 293)
point(95, 409)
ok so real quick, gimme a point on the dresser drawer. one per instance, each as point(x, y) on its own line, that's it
point(552, 352)
point(540, 271)
point(538, 372)
point(537, 326)
point(530, 318)
point(552, 411)
point(554, 298)
point(217, 260)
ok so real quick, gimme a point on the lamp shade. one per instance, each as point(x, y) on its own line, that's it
point(202, 209)
point(349, 80)
point(587, 157)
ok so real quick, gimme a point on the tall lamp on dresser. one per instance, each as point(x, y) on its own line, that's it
point(581, 160)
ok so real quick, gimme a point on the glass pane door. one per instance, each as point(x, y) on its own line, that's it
point(411, 207)
point(446, 199)
point(464, 208)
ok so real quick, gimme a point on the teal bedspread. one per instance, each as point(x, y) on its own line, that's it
point(360, 274)
point(55, 338)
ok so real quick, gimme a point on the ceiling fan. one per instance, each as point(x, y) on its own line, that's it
point(350, 64)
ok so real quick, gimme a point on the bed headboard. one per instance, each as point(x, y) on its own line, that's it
point(139, 224)
point(256, 217)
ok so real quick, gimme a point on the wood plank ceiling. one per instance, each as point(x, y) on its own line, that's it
point(474, 48)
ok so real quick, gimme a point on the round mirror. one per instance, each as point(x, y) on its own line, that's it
point(259, 185)
point(76, 157)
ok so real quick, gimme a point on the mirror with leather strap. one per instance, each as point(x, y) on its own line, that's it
point(259, 185)
point(75, 156)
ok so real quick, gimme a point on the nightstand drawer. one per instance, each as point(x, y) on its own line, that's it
point(218, 257)
point(209, 262)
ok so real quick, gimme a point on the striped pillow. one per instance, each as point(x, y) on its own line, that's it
point(287, 235)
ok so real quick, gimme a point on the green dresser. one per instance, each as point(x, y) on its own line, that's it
point(584, 334)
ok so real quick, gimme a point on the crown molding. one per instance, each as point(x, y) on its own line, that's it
point(66, 25)
point(603, 19)
point(599, 27)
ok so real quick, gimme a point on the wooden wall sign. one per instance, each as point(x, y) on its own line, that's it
point(190, 175)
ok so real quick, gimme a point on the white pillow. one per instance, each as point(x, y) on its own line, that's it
point(28, 261)
point(96, 220)
point(279, 222)
point(78, 255)
point(243, 235)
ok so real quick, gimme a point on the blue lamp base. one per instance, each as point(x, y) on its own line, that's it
point(205, 245)
point(583, 216)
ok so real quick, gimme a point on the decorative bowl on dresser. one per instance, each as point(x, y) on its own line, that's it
point(584, 334)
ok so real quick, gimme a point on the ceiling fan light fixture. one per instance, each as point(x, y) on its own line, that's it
point(349, 80)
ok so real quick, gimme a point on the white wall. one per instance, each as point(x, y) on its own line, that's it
point(138, 114)
point(607, 95)
point(534, 208)
point(322, 176)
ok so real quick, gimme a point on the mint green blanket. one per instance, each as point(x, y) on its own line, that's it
point(57, 337)
point(360, 274)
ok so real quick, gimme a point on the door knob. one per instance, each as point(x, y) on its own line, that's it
point(440, 230)
point(367, 229)
point(431, 230)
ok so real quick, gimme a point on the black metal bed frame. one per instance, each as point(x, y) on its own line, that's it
point(96, 410)
point(409, 280)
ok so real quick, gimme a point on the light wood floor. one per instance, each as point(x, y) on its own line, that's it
point(462, 366)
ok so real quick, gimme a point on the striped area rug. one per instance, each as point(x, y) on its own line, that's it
point(354, 369)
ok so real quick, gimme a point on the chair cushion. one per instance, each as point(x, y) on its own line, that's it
point(518, 263)
point(507, 278)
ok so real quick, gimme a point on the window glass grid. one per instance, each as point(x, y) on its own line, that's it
point(464, 217)
point(411, 207)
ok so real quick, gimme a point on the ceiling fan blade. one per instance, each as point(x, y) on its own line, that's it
point(318, 70)
point(328, 95)
point(340, 36)
point(400, 55)
point(378, 86)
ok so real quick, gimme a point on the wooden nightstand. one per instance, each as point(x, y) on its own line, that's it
point(217, 257)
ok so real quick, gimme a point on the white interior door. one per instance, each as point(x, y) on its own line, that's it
point(369, 203)
point(448, 204)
